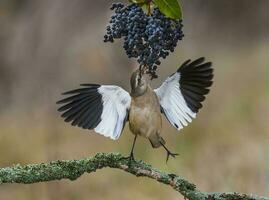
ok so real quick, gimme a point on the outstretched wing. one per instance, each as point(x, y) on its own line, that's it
point(103, 108)
point(181, 94)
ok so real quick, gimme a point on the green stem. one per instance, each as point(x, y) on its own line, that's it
point(149, 10)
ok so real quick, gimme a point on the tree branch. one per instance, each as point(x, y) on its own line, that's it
point(72, 169)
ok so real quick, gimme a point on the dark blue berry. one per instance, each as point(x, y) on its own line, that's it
point(147, 38)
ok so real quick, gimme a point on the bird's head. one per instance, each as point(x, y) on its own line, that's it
point(138, 83)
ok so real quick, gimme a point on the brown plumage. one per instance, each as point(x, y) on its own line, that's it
point(145, 117)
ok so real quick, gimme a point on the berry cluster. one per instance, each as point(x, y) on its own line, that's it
point(146, 37)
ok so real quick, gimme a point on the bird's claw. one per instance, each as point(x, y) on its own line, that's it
point(169, 153)
point(130, 159)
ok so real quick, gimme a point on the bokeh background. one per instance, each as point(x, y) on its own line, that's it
point(47, 47)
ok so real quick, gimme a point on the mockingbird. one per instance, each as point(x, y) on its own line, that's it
point(106, 108)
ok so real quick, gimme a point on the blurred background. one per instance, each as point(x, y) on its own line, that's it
point(47, 47)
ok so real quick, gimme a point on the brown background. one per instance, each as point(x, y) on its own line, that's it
point(47, 47)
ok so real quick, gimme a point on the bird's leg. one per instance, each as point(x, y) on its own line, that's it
point(132, 151)
point(131, 157)
point(169, 153)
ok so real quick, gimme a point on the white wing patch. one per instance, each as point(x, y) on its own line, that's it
point(181, 94)
point(173, 103)
point(98, 107)
point(116, 103)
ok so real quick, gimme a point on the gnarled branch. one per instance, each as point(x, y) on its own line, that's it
point(72, 169)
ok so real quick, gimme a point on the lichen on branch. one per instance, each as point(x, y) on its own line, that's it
point(73, 169)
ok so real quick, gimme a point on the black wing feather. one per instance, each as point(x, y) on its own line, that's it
point(80, 115)
point(84, 107)
point(89, 114)
point(195, 80)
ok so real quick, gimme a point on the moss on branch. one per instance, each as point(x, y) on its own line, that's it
point(73, 169)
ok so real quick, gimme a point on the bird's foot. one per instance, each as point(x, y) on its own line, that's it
point(169, 153)
point(130, 159)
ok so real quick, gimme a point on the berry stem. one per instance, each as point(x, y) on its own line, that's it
point(149, 10)
point(149, 6)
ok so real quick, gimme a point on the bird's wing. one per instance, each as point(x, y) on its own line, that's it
point(181, 94)
point(103, 108)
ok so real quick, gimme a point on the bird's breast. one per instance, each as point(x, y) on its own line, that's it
point(145, 116)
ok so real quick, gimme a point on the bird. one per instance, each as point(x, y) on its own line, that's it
point(107, 108)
